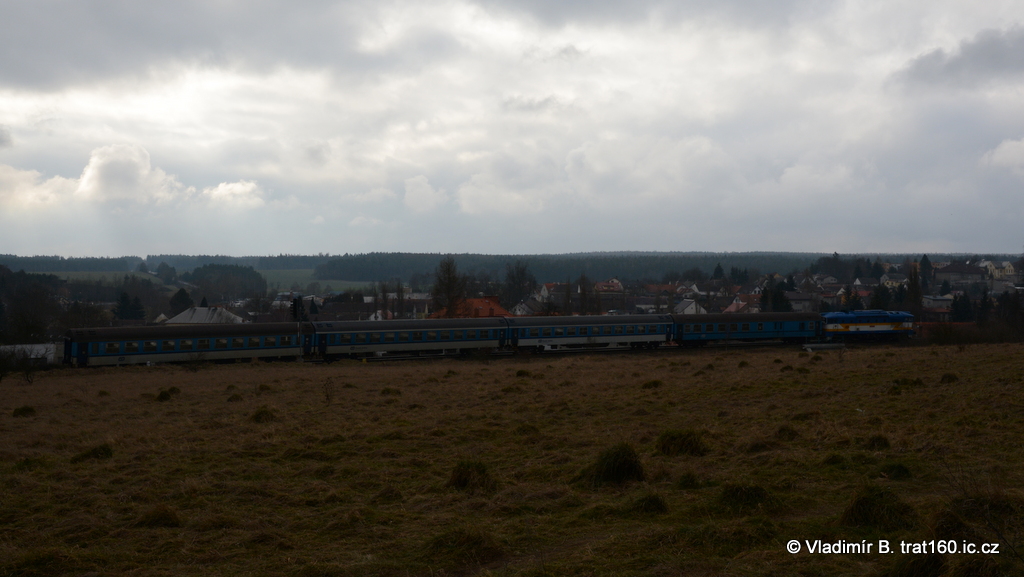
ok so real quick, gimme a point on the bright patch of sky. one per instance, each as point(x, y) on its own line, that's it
point(510, 127)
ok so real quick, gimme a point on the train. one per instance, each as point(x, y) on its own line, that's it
point(330, 340)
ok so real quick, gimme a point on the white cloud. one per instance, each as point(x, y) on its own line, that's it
point(421, 197)
point(242, 194)
point(318, 219)
point(483, 194)
point(375, 195)
point(1009, 154)
point(27, 188)
point(361, 221)
point(122, 172)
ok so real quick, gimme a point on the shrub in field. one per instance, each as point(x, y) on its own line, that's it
point(25, 411)
point(877, 443)
point(652, 384)
point(649, 503)
point(614, 466)
point(739, 498)
point(388, 391)
point(743, 364)
point(949, 378)
point(98, 453)
point(234, 398)
point(786, 433)
point(471, 476)
point(163, 396)
point(159, 516)
point(895, 471)
point(878, 508)
point(522, 373)
point(690, 442)
point(263, 415)
point(465, 545)
point(688, 480)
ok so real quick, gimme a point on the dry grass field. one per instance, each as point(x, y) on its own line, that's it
point(703, 462)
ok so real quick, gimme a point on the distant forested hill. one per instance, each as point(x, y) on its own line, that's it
point(61, 264)
point(553, 268)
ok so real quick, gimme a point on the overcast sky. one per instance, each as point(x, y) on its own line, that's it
point(510, 126)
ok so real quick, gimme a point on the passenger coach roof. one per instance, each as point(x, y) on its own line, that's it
point(409, 325)
point(589, 320)
point(187, 331)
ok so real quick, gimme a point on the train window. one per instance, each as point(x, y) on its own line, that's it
point(733, 327)
point(270, 341)
point(547, 332)
point(417, 336)
point(746, 327)
point(559, 332)
point(254, 342)
point(389, 337)
point(360, 338)
point(131, 347)
point(583, 331)
point(374, 337)
point(345, 339)
point(403, 337)
point(238, 343)
point(286, 341)
point(221, 343)
point(203, 344)
point(111, 348)
point(534, 332)
point(94, 349)
point(571, 331)
point(185, 345)
point(431, 335)
point(630, 329)
point(446, 335)
point(167, 346)
point(686, 328)
point(485, 334)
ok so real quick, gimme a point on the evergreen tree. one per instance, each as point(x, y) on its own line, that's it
point(180, 302)
point(945, 289)
point(926, 272)
point(984, 307)
point(203, 302)
point(449, 291)
point(877, 270)
point(881, 298)
point(719, 273)
point(912, 301)
point(123, 308)
point(851, 299)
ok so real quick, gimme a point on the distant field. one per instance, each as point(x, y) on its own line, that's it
point(283, 280)
point(108, 277)
point(493, 467)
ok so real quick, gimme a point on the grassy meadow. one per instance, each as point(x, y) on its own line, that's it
point(681, 462)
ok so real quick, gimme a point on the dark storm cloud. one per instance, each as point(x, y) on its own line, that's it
point(992, 55)
point(52, 43)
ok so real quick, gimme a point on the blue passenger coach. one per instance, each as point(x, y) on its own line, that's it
point(440, 336)
point(177, 343)
point(609, 331)
point(789, 327)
